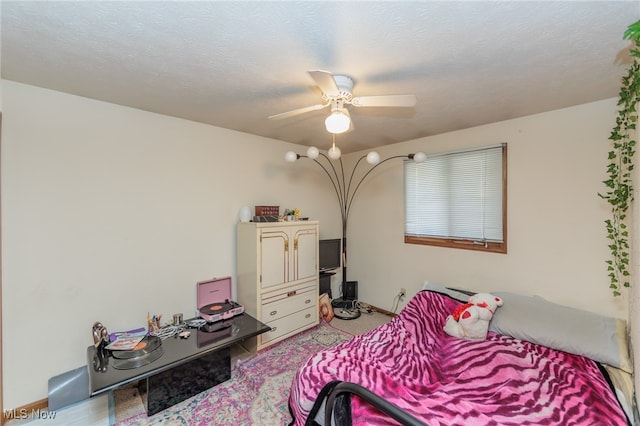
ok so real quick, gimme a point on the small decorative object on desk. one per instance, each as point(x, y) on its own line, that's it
point(100, 335)
point(292, 214)
point(153, 323)
point(177, 319)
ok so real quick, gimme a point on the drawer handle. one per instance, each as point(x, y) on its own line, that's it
point(307, 301)
point(308, 316)
point(272, 313)
point(273, 329)
point(292, 293)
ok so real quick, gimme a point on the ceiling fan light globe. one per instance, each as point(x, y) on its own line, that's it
point(291, 156)
point(334, 153)
point(313, 152)
point(337, 122)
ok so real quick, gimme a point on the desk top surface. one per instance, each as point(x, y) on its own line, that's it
point(176, 351)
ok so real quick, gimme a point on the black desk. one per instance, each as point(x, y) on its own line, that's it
point(186, 368)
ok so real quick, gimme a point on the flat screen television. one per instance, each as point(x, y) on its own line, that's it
point(329, 254)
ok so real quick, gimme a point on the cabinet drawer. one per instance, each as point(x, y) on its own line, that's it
point(289, 291)
point(289, 324)
point(283, 307)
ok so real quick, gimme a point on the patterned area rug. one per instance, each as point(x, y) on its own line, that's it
point(256, 394)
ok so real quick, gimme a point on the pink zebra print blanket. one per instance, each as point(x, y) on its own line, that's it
point(446, 381)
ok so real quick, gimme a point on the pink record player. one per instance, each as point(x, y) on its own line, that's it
point(214, 300)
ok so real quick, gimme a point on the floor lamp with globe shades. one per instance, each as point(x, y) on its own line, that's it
point(346, 189)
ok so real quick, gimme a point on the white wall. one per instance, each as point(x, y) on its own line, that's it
point(109, 213)
point(557, 243)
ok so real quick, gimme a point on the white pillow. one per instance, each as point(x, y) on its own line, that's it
point(534, 319)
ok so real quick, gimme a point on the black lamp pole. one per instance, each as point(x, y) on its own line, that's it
point(344, 190)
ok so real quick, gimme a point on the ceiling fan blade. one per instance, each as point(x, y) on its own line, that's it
point(297, 111)
point(326, 82)
point(384, 101)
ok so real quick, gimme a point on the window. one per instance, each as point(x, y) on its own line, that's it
point(458, 199)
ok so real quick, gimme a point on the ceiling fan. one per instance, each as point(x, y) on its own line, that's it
point(337, 92)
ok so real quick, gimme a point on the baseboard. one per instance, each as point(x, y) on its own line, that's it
point(26, 411)
point(383, 311)
point(341, 303)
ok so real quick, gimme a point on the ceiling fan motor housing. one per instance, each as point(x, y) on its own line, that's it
point(345, 87)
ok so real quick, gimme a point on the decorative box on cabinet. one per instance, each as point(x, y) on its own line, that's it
point(278, 276)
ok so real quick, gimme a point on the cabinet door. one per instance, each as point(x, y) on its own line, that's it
point(305, 253)
point(274, 257)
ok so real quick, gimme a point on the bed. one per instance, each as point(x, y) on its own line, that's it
point(541, 364)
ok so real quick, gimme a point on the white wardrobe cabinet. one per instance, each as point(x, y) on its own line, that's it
point(278, 276)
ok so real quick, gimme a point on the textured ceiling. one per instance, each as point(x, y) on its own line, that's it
point(233, 64)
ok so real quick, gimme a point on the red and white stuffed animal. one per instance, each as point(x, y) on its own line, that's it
point(471, 321)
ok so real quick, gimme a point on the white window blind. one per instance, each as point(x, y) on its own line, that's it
point(456, 195)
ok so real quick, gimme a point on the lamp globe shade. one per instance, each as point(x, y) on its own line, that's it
point(419, 157)
point(334, 153)
point(373, 157)
point(313, 152)
point(291, 156)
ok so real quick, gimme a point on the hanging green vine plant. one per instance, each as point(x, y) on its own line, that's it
point(619, 183)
